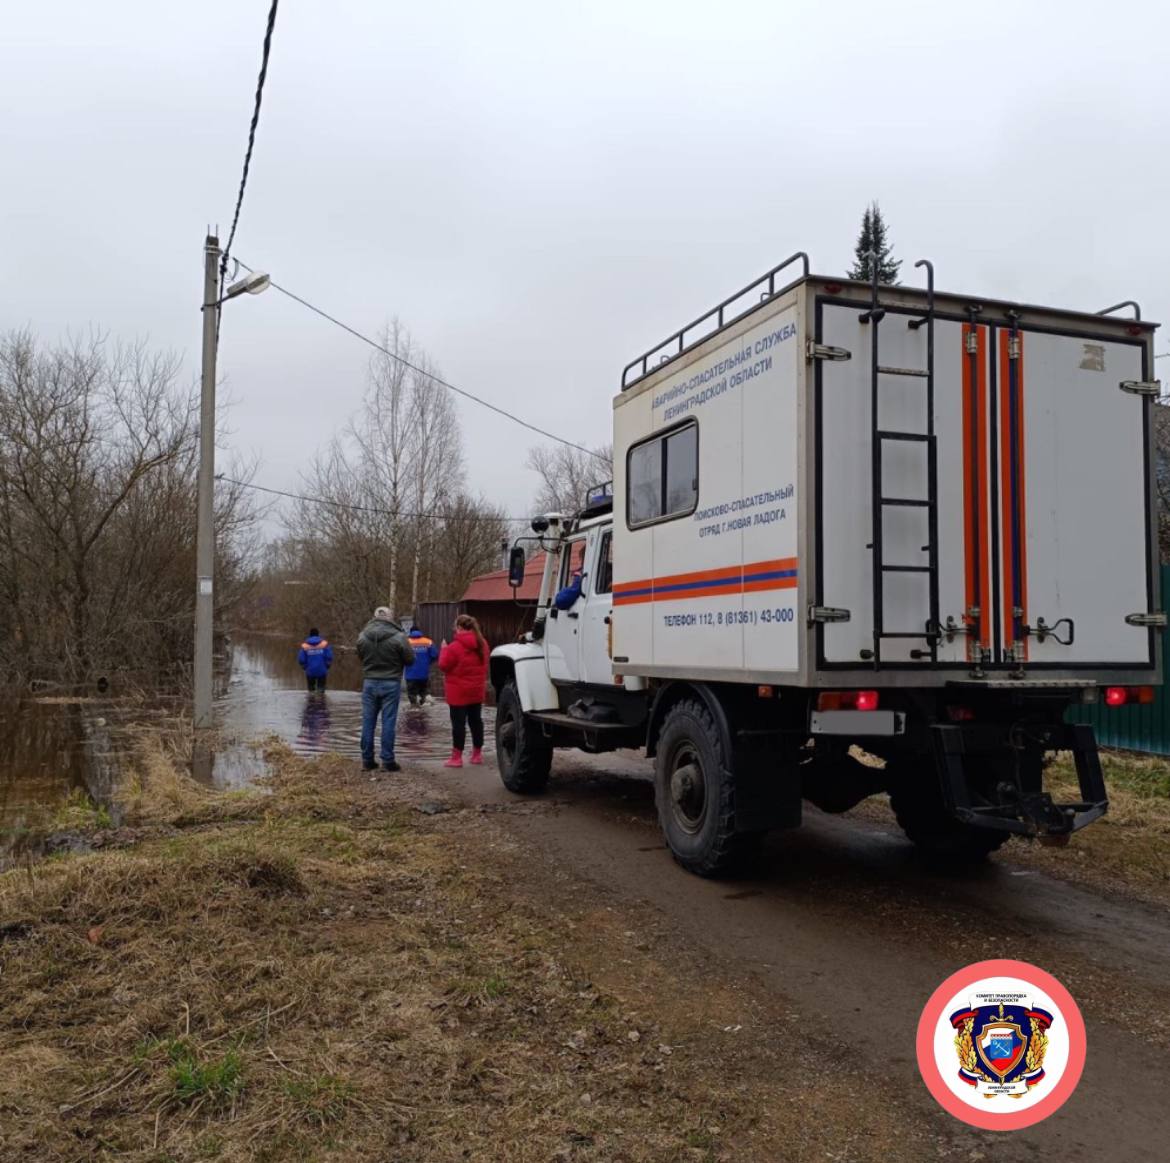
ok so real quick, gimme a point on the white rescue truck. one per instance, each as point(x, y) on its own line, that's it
point(848, 522)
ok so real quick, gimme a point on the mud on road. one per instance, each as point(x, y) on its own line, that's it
point(831, 949)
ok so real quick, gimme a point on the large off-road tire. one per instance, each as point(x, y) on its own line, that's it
point(694, 790)
point(921, 814)
point(522, 752)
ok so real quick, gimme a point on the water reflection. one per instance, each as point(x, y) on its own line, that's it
point(266, 697)
point(314, 733)
point(52, 746)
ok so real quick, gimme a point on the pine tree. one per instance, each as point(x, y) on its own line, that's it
point(873, 238)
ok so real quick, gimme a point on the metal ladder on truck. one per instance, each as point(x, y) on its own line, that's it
point(879, 436)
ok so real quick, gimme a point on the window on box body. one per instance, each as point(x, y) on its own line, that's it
point(663, 476)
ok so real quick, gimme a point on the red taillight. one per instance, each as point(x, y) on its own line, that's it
point(866, 700)
point(1121, 696)
point(960, 714)
point(847, 701)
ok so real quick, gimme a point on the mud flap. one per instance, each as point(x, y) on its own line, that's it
point(767, 788)
point(1023, 811)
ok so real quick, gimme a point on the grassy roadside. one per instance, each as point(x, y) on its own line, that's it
point(321, 972)
point(1129, 847)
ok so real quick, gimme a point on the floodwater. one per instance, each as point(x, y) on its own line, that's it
point(266, 696)
point(53, 746)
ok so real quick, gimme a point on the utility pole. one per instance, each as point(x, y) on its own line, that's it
point(205, 530)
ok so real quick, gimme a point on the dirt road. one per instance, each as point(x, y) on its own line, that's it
point(845, 928)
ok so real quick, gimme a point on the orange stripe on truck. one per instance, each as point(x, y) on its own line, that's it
point(977, 555)
point(758, 576)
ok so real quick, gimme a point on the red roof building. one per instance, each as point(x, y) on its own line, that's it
point(494, 587)
point(502, 612)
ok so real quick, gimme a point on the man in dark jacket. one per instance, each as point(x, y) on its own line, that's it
point(315, 657)
point(385, 654)
point(419, 672)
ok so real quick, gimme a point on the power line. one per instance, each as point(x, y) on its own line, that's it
point(251, 138)
point(348, 505)
point(430, 375)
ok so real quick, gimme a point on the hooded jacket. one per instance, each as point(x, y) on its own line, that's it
point(425, 652)
point(384, 651)
point(466, 671)
point(315, 656)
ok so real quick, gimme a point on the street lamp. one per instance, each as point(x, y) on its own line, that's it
point(252, 284)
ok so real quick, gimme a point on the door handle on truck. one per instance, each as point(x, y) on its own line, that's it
point(574, 614)
point(1042, 631)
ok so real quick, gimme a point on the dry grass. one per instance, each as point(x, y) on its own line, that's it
point(1130, 847)
point(300, 974)
point(312, 973)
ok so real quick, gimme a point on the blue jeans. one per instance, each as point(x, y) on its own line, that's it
point(379, 694)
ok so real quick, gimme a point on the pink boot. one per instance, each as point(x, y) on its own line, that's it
point(456, 759)
point(476, 756)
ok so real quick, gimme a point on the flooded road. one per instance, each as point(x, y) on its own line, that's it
point(266, 697)
point(54, 746)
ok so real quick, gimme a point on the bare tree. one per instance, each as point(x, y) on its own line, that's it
point(97, 509)
point(384, 434)
point(438, 463)
point(390, 514)
point(566, 475)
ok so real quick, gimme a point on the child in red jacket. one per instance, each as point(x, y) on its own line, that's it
point(465, 664)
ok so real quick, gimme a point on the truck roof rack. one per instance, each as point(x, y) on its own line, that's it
point(599, 499)
point(675, 345)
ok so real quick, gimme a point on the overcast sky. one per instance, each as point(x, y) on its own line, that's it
point(540, 191)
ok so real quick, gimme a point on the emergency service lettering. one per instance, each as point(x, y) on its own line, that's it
point(768, 616)
point(737, 512)
point(726, 373)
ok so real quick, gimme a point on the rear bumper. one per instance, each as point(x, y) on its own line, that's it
point(1014, 807)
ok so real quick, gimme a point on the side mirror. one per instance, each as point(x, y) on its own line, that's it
point(516, 567)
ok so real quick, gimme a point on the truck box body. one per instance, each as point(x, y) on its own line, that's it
point(744, 488)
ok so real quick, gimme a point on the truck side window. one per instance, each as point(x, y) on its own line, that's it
point(663, 476)
point(573, 561)
point(604, 565)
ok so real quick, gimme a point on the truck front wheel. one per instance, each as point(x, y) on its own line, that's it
point(695, 793)
point(522, 752)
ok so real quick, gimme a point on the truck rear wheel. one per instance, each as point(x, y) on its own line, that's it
point(928, 825)
point(695, 793)
point(522, 752)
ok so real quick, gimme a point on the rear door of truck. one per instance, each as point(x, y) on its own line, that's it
point(1073, 499)
point(1043, 489)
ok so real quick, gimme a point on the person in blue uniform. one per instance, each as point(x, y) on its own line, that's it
point(419, 672)
point(315, 657)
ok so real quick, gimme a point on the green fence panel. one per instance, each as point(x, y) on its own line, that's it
point(1135, 728)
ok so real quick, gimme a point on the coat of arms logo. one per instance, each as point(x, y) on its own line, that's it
point(1001, 1041)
